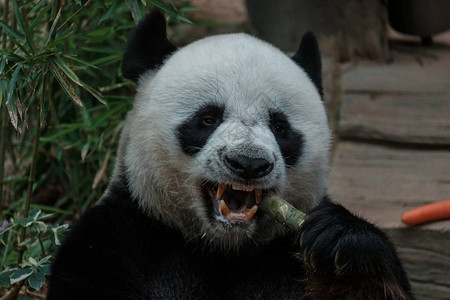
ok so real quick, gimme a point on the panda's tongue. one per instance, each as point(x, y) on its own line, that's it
point(238, 201)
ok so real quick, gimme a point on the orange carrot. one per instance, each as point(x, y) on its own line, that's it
point(427, 213)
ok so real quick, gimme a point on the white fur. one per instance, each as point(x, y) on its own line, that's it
point(250, 77)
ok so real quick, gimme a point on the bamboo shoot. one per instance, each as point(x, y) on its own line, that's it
point(282, 211)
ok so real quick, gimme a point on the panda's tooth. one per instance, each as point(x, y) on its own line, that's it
point(258, 195)
point(241, 187)
point(249, 214)
point(222, 187)
point(236, 186)
point(224, 210)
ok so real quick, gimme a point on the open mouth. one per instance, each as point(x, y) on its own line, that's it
point(235, 202)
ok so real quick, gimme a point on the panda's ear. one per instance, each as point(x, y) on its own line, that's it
point(308, 57)
point(147, 47)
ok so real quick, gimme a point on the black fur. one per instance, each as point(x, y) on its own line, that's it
point(308, 57)
point(147, 48)
point(345, 255)
point(195, 131)
point(117, 252)
point(289, 140)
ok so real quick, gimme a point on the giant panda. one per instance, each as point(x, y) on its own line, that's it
point(215, 126)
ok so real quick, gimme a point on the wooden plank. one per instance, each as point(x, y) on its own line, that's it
point(406, 118)
point(407, 101)
point(414, 71)
point(380, 183)
point(370, 173)
point(424, 250)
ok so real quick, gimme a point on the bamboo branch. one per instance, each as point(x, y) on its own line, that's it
point(4, 116)
point(3, 144)
point(31, 177)
point(282, 211)
point(66, 160)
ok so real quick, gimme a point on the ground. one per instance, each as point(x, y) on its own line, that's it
point(393, 154)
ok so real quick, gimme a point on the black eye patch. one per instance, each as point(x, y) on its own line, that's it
point(196, 130)
point(289, 140)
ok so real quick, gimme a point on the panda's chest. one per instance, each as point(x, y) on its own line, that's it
point(182, 274)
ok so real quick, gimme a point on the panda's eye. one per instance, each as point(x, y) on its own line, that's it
point(279, 123)
point(279, 128)
point(209, 121)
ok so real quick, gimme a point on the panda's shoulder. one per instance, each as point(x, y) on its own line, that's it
point(117, 227)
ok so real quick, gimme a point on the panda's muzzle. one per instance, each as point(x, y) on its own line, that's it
point(234, 202)
point(248, 167)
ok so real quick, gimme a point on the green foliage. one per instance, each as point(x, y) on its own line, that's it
point(42, 238)
point(62, 103)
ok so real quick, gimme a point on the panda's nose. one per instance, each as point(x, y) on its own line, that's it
point(248, 167)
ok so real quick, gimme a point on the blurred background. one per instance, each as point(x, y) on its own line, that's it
point(386, 71)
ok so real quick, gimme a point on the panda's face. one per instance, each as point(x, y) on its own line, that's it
point(224, 121)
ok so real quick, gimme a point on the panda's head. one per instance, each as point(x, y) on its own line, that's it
point(216, 125)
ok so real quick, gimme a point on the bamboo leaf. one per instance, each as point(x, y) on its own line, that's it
point(18, 43)
point(109, 13)
point(62, 36)
point(97, 95)
point(12, 83)
point(84, 151)
point(188, 9)
point(107, 59)
point(184, 19)
point(60, 133)
point(38, 19)
point(162, 6)
point(101, 50)
point(84, 63)
point(51, 209)
point(66, 85)
point(169, 10)
point(3, 90)
point(12, 32)
point(52, 28)
point(101, 118)
point(101, 172)
point(3, 64)
point(10, 104)
point(67, 70)
point(36, 7)
point(137, 9)
point(18, 15)
point(13, 117)
point(101, 33)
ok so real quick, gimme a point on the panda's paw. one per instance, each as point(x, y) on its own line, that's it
point(346, 255)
